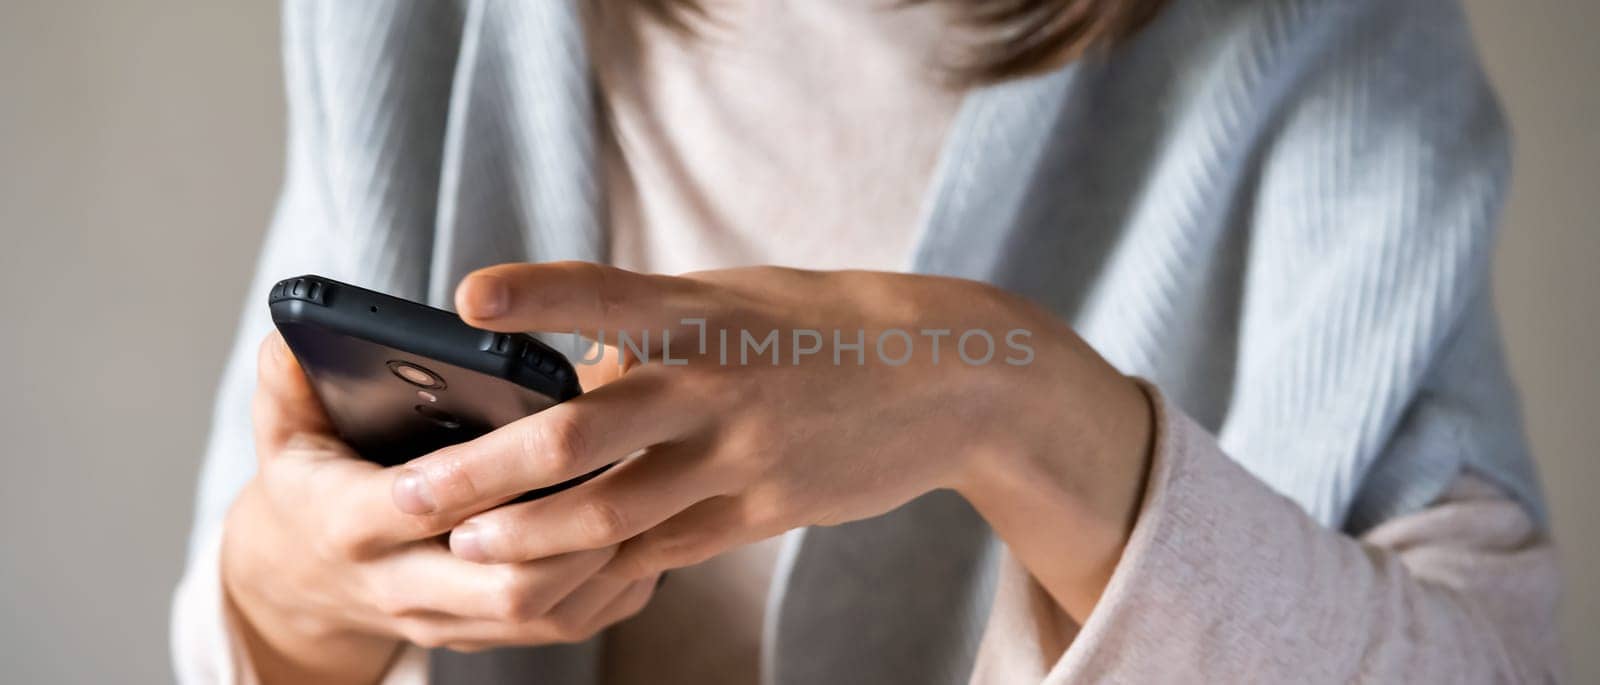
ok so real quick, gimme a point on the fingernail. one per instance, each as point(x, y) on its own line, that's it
point(412, 494)
point(490, 297)
point(467, 542)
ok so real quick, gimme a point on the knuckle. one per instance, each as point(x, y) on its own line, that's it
point(639, 600)
point(515, 600)
point(608, 296)
point(450, 475)
point(605, 567)
point(748, 450)
point(606, 556)
point(513, 608)
point(627, 567)
point(423, 634)
point(662, 553)
point(389, 603)
point(656, 560)
point(572, 630)
point(770, 505)
point(343, 538)
point(705, 385)
point(601, 522)
point(559, 441)
point(762, 510)
point(758, 463)
point(427, 525)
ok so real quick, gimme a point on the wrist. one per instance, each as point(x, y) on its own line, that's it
point(1062, 478)
point(285, 645)
point(284, 651)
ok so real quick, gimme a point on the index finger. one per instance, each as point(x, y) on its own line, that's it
point(564, 297)
point(560, 443)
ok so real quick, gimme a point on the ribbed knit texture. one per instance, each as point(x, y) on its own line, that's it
point(1279, 211)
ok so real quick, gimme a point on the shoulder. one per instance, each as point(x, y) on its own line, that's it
point(1378, 45)
point(1260, 72)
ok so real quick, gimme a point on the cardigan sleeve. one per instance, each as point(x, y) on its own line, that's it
point(301, 239)
point(204, 645)
point(367, 87)
point(1393, 531)
point(308, 234)
point(1224, 580)
point(1368, 372)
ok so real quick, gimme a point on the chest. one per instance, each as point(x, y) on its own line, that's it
point(801, 134)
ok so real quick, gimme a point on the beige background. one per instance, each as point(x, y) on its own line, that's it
point(139, 155)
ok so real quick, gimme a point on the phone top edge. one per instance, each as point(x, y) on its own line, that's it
point(423, 330)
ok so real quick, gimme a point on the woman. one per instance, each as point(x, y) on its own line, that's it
point(1276, 214)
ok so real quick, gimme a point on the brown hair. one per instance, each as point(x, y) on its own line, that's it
point(1014, 38)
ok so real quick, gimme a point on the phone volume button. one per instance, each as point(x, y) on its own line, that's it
point(501, 344)
point(301, 289)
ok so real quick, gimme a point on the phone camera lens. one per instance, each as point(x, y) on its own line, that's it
point(416, 375)
point(439, 417)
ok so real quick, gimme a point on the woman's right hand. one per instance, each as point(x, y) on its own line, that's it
point(329, 578)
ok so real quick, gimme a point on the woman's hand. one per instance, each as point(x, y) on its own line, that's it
point(930, 383)
point(329, 578)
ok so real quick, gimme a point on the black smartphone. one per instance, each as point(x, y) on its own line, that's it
point(400, 379)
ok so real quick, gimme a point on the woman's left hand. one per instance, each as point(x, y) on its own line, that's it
point(765, 399)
